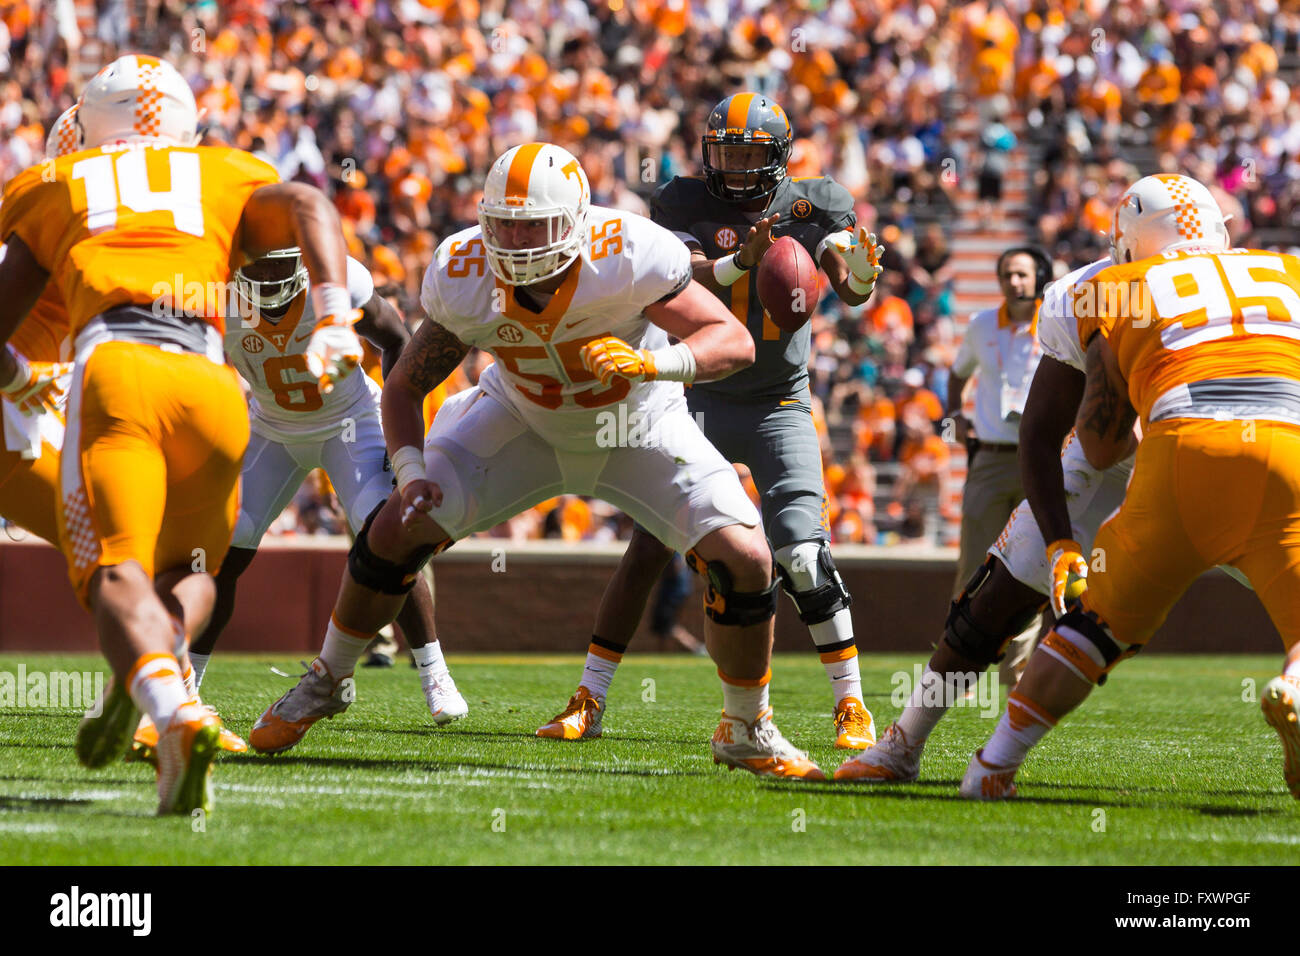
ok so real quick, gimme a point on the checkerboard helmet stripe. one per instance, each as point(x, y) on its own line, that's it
point(138, 98)
point(1166, 212)
point(536, 183)
point(65, 135)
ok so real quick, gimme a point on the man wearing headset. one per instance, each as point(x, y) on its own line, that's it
point(1001, 346)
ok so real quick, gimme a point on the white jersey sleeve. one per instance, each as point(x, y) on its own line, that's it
point(1058, 330)
point(967, 360)
point(660, 262)
point(361, 284)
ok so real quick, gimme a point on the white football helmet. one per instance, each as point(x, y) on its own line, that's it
point(273, 281)
point(65, 135)
point(138, 98)
point(1166, 212)
point(533, 213)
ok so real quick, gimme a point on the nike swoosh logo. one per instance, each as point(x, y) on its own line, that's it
point(304, 338)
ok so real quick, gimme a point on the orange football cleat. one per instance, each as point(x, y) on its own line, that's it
point(185, 751)
point(760, 749)
point(580, 720)
point(144, 746)
point(317, 694)
point(855, 728)
point(983, 781)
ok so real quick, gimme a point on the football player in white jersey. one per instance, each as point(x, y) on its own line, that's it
point(576, 303)
point(298, 425)
point(1066, 502)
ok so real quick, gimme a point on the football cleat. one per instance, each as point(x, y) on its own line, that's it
point(102, 739)
point(317, 694)
point(1281, 706)
point(144, 746)
point(984, 781)
point(760, 749)
point(185, 752)
point(891, 760)
point(445, 701)
point(855, 728)
point(580, 720)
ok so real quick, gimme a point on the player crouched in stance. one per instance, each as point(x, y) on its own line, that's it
point(760, 416)
point(1201, 343)
point(298, 425)
point(574, 302)
point(156, 421)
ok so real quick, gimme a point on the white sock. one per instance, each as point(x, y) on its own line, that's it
point(599, 670)
point(925, 708)
point(844, 675)
point(1292, 666)
point(342, 650)
point(745, 701)
point(156, 687)
point(200, 664)
point(1023, 724)
point(429, 658)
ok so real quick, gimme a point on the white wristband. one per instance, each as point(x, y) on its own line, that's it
point(675, 363)
point(408, 466)
point(22, 372)
point(726, 271)
point(330, 299)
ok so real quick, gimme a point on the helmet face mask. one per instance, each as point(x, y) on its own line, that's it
point(533, 213)
point(269, 284)
point(745, 148)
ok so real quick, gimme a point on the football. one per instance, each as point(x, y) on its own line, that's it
point(787, 284)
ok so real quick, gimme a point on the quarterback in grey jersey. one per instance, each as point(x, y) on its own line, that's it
point(762, 415)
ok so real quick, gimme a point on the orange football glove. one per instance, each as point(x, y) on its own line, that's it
point(334, 349)
point(36, 386)
point(1069, 572)
point(608, 356)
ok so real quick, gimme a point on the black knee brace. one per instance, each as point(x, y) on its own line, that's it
point(824, 601)
point(723, 603)
point(968, 638)
point(379, 574)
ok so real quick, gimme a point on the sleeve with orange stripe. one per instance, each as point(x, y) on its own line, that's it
point(87, 221)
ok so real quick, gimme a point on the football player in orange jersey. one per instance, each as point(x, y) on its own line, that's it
point(1202, 343)
point(35, 397)
point(139, 233)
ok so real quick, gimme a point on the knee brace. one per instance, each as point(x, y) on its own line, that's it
point(801, 567)
point(723, 604)
point(1082, 642)
point(379, 574)
point(964, 634)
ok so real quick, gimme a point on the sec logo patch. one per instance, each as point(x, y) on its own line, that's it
point(801, 209)
point(726, 238)
point(252, 343)
point(509, 333)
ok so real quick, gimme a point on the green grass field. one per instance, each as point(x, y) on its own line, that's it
point(1165, 765)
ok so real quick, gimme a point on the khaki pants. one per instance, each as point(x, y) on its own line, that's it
point(992, 492)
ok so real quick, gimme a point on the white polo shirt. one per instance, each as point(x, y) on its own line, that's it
point(1005, 356)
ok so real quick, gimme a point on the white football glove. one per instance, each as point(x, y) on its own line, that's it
point(334, 349)
point(862, 256)
point(36, 386)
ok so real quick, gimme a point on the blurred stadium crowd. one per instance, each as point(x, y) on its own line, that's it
point(397, 107)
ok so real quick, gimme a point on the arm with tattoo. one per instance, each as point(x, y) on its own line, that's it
point(1106, 417)
point(431, 355)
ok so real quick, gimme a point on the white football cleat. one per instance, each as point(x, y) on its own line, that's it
point(984, 781)
point(1281, 705)
point(760, 749)
point(317, 694)
point(891, 760)
point(445, 701)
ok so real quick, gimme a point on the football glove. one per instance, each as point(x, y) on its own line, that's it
point(608, 356)
point(862, 256)
point(35, 386)
point(334, 350)
point(1069, 572)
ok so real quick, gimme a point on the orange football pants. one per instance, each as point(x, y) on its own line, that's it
point(29, 491)
point(151, 462)
point(1202, 493)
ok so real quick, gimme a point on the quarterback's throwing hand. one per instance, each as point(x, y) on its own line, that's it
point(609, 355)
point(862, 256)
point(334, 349)
point(1069, 573)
